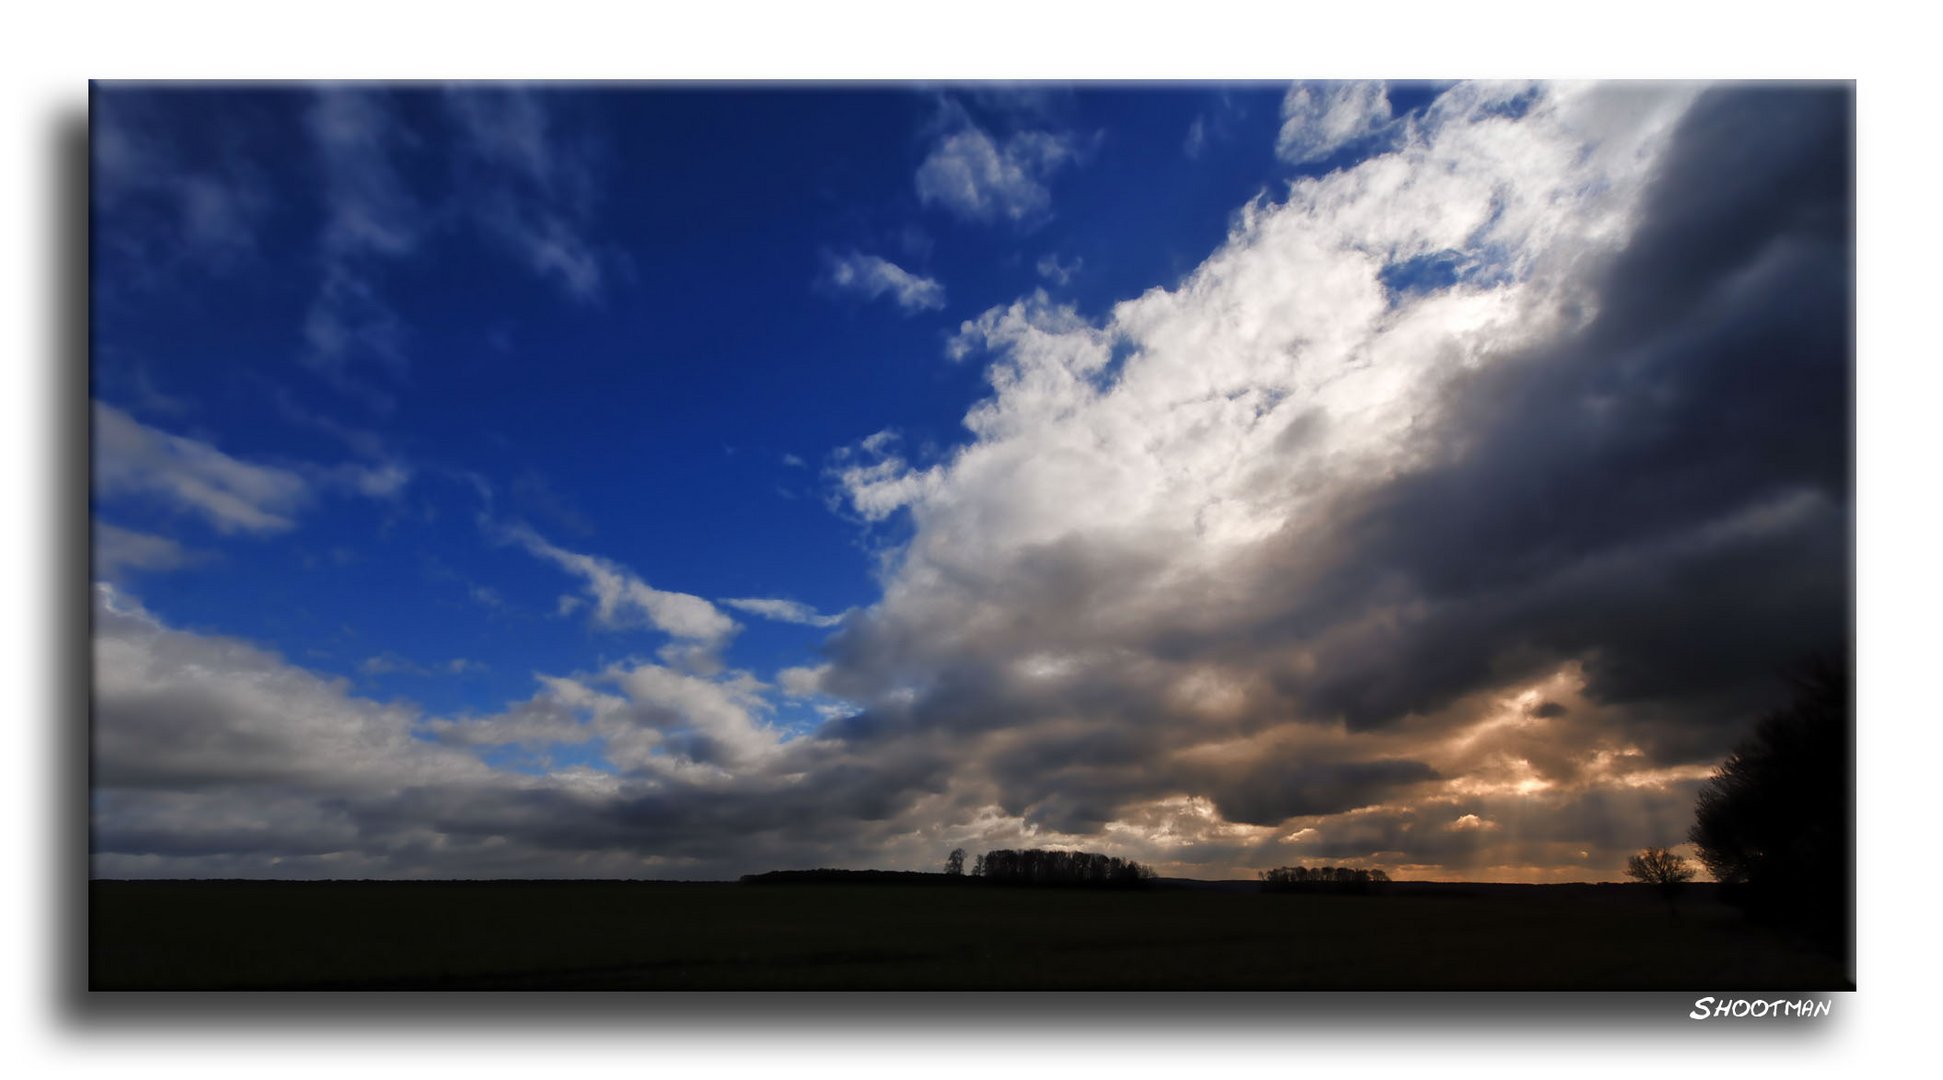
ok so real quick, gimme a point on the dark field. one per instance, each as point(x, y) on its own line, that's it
point(667, 936)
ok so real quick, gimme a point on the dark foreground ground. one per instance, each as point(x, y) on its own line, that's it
point(626, 935)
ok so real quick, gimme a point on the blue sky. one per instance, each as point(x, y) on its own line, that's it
point(675, 407)
point(683, 481)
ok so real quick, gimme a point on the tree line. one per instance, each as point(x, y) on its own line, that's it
point(1037, 866)
point(1339, 879)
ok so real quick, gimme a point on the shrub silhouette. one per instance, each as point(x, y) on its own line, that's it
point(1037, 866)
point(1773, 824)
point(1662, 869)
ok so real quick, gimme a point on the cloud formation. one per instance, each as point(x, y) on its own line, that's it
point(528, 184)
point(1057, 272)
point(371, 215)
point(982, 180)
point(134, 460)
point(621, 599)
point(1319, 119)
point(118, 551)
point(1317, 556)
point(872, 276)
point(789, 611)
point(516, 178)
point(229, 494)
point(164, 214)
point(1286, 537)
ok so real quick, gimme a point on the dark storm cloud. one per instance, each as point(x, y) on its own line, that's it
point(1514, 642)
point(1660, 495)
point(1666, 492)
point(1269, 792)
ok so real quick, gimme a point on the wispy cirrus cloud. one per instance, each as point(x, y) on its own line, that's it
point(515, 178)
point(621, 599)
point(228, 493)
point(370, 216)
point(527, 184)
point(384, 480)
point(165, 214)
point(789, 611)
point(231, 494)
point(394, 664)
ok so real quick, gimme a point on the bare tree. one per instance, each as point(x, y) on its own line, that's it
point(1662, 869)
point(955, 862)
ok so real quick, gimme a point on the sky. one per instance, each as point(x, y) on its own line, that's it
point(690, 481)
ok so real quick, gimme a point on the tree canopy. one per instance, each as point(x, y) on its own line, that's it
point(1037, 866)
point(1774, 824)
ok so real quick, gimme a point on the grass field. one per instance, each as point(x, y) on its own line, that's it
point(622, 935)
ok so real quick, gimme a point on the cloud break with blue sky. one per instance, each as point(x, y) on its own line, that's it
point(686, 481)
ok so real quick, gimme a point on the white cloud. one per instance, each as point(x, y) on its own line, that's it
point(651, 721)
point(1059, 273)
point(876, 480)
point(1319, 119)
point(871, 276)
point(214, 756)
point(233, 495)
point(1132, 481)
point(789, 611)
point(621, 599)
point(717, 715)
point(1131, 612)
point(178, 709)
point(132, 458)
point(980, 180)
point(802, 682)
point(118, 550)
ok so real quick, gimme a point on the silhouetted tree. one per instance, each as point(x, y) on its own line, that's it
point(1041, 867)
point(978, 867)
point(1662, 869)
point(1773, 823)
point(1336, 879)
point(955, 862)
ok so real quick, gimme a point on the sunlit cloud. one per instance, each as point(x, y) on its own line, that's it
point(1450, 516)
